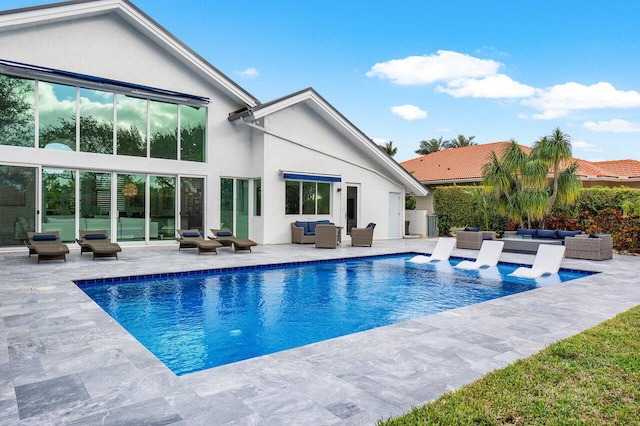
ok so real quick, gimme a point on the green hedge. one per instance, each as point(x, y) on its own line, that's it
point(614, 211)
point(462, 206)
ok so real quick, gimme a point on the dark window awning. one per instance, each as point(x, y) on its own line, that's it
point(135, 89)
point(311, 177)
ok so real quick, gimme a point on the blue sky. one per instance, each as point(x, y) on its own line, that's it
point(408, 71)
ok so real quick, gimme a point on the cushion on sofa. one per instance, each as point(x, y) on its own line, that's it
point(564, 234)
point(532, 232)
point(547, 233)
point(191, 234)
point(224, 234)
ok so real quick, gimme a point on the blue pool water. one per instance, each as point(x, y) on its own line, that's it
point(199, 321)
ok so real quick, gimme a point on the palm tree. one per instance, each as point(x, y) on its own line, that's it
point(389, 148)
point(518, 181)
point(554, 151)
point(431, 146)
point(460, 142)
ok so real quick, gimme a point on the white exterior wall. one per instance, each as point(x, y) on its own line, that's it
point(109, 47)
point(325, 151)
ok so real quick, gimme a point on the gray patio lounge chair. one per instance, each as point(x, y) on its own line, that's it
point(192, 239)
point(47, 246)
point(227, 239)
point(98, 243)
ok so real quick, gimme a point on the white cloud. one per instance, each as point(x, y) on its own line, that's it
point(380, 141)
point(249, 72)
point(584, 146)
point(443, 66)
point(492, 86)
point(560, 99)
point(409, 112)
point(615, 126)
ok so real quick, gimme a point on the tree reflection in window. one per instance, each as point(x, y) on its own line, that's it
point(17, 111)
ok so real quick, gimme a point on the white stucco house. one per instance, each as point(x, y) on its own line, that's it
point(107, 121)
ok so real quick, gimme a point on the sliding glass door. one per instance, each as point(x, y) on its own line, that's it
point(234, 206)
point(95, 202)
point(17, 204)
point(131, 208)
point(162, 207)
point(192, 203)
point(59, 203)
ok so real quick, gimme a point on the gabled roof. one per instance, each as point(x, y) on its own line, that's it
point(326, 111)
point(464, 165)
point(69, 10)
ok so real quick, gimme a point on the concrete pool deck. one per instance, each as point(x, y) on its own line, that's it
point(65, 361)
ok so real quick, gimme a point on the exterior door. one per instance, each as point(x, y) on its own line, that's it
point(192, 203)
point(352, 207)
point(394, 215)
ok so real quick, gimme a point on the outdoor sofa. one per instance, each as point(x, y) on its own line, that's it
point(591, 247)
point(304, 232)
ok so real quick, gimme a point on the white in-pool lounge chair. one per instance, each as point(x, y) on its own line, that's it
point(547, 262)
point(489, 255)
point(442, 251)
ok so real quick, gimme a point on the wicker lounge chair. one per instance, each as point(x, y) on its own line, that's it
point(98, 243)
point(362, 236)
point(227, 239)
point(441, 252)
point(326, 236)
point(583, 247)
point(47, 246)
point(489, 255)
point(473, 239)
point(192, 239)
point(547, 262)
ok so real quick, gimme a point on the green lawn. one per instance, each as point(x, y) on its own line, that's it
point(592, 378)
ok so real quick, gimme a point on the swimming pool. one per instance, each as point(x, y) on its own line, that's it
point(199, 320)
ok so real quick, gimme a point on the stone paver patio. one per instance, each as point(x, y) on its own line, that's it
point(65, 361)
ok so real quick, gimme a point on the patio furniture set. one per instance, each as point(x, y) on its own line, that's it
point(325, 234)
point(577, 244)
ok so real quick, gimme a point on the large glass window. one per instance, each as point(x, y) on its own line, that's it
point(57, 116)
point(292, 197)
point(162, 206)
point(315, 197)
point(192, 133)
point(191, 203)
point(17, 111)
point(308, 197)
point(131, 208)
point(96, 121)
point(164, 130)
point(59, 203)
point(17, 203)
point(226, 203)
point(324, 198)
point(132, 126)
point(95, 201)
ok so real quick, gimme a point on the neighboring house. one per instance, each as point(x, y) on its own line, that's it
point(463, 166)
point(109, 122)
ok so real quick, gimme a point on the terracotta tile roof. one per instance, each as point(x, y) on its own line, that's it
point(454, 163)
point(620, 168)
point(465, 164)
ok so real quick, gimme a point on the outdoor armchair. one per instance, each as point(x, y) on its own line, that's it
point(362, 236)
